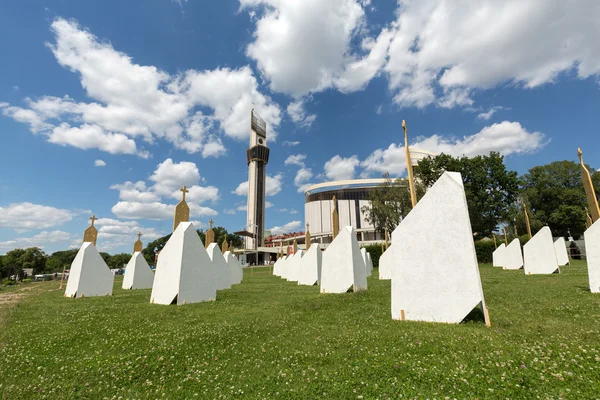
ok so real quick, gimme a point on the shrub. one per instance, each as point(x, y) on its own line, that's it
point(375, 252)
point(9, 282)
point(484, 250)
point(26, 280)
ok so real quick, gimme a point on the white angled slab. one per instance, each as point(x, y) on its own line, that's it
point(293, 266)
point(277, 267)
point(235, 268)
point(513, 256)
point(592, 251)
point(539, 256)
point(498, 256)
point(343, 266)
point(560, 248)
point(220, 267)
point(89, 276)
point(184, 272)
point(435, 276)
point(367, 261)
point(310, 266)
point(385, 264)
point(283, 266)
point(138, 274)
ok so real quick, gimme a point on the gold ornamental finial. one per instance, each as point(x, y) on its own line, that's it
point(184, 190)
point(335, 219)
point(138, 246)
point(589, 189)
point(211, 222)
point(411, 179)
point(91, 233)
point(182, 210)
point(527, 221)
point(93, 219)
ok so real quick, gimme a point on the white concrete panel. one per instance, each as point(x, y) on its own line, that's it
point(539, 256)
point(310, 266)
point(277, 267)
point(294, 265)
point(314, 219)
point(592, 249)
point(184, 271)
point(513, 256)
point(385, 264)
point(220, 268)
point(89, 276)
point(343, 266)
point(367, 261)
point(344, 212)
point(498, 256)
point(284, 266)
point(435, 276)
point(352, 205)
point(138, 274)
point(560, 248)
point(326, 215)
point(236, 272)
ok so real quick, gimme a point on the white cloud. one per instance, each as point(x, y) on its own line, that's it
point(289, 227)
point(273, 186)
point(294, 212)
point(340, 168)
point(485, 116)
point(268, 204)
point(124, 232)
point(291, 144)
point(442, 50)
point(40, 240)
point(305, 46)
point(199, 194)
point(243, 207)
point(132, 102)
point(135, 192)
point(170, 176)
point(506, 138)
point(302, 177)
point(298, 114)
point(25, 216)
point(297, 159)
point(99, 163)
point(229, 211)
point(156, 210)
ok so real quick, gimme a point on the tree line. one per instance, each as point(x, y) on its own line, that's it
point(552, 193)
point(35, 258)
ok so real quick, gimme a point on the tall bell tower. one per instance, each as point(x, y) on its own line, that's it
point(257, 156)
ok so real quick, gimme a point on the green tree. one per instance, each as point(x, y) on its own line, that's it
point(59, 259)
point(34, 258)
point(118, 260)
point(389, 203)
point(490, 188)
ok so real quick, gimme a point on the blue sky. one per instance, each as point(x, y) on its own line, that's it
point(109, 107)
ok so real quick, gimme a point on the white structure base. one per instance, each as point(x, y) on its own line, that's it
point(592, 249)
point(367, 261)
point(343, 266)
point(293, 266)
point(277, 267)
point(138, 274)
point(184, 273)
point(235, 268)
point(89, 276)
point(539, 256)
point(435, 276)
point(498, 256)
point(560, 248)
point(513, 256)
point(385, 264)
point(310, 267)
point(283, 266)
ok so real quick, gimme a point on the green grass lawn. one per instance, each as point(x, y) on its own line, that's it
point(268, 338)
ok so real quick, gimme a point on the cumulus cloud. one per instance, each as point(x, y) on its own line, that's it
point(138, 201)
point(299, 115)
point(26, 216)
point(291, 144)
point(305, 46)
point(301, 179)
point(289, 227)
point(132, 102)
point(99, 163)
point(340, 168)
point(272, 187)
point(40, 240)
point(123, 232)
point(297, 159)
point(441, 50)
point(506, 137)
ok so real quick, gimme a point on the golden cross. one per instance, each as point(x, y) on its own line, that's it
point(579, 154)
point(404, 127)
point(307, 226)
point(139, 235)
point(211, 222)
point(184, 191)
point(93, 219)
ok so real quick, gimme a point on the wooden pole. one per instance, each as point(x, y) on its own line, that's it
point(589, 189)
point(527, 221)
point(62, 277)
point(505, 238)
point(411, 179)
point(494, 237)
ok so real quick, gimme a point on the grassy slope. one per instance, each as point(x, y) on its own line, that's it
point(268, 338)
